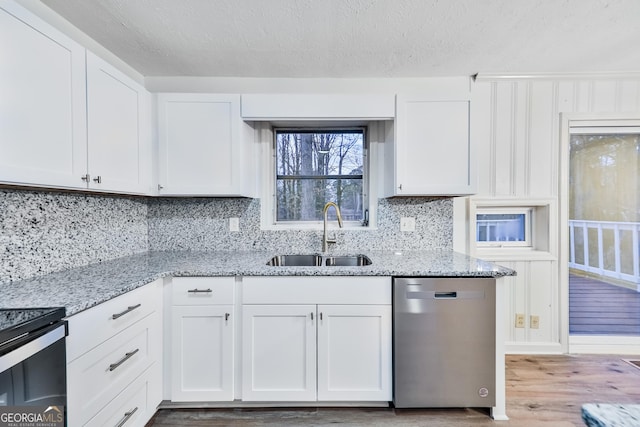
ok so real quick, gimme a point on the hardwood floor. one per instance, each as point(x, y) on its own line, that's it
point(542, 391)
point(599, 308)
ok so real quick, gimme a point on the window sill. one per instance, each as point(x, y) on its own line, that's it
point(332, 226)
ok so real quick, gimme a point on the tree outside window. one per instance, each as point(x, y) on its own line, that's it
point(317, 166)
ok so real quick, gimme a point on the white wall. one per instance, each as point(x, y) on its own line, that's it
point(516, 126)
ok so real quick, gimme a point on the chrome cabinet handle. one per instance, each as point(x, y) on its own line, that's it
point(127, 415)
point(320, 315)
point(129, 309)
point(126, 357)
point(198, 291)
point(400, 187)
point(97, 179)
point(312, 315)
point(226, 317)
point(160, 187)
point(85, 177)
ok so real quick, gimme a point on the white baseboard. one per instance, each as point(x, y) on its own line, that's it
point(603, 344)
point(512, 347)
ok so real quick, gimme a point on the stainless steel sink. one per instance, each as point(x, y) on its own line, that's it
point(296, 261)
point(316, 260)
point(348, 261)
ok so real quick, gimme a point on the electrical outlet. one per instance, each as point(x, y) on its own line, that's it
point(234, 224)
point(534, 322)
point(407, 223)
point(519, 320)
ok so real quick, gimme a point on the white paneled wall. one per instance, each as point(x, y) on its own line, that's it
point(516, 127)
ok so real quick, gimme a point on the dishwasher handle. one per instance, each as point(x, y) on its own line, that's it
point(447, 295)
point(422, 295)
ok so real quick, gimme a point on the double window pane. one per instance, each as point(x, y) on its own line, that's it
point(317, 166)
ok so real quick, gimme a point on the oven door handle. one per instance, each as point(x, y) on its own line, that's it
point(24, 347)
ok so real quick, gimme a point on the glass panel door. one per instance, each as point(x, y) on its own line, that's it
point(604, 231)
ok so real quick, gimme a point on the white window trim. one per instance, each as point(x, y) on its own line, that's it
point(543, 221)
point(265, 136)
point(528, 220)
point(576, 123)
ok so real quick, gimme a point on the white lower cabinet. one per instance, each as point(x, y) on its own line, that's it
point(202, 339)
point(339, 350)
point(279, 353)
point(354, 352)
point(135, 405)
point(202, 356)
point(114, 360)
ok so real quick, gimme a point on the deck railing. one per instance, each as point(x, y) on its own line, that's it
point(625, 248)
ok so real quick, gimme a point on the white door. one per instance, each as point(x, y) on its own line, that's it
point(354, 353)
point(200, 144)
point(116, 148)
point(432, 150)
point(42, 103)
point(202, 353)
point(279, 353)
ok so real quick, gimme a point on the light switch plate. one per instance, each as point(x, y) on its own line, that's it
point(234, 224)
point(407, 223)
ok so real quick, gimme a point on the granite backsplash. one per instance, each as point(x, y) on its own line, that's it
point(42, 231)
point(203, 224)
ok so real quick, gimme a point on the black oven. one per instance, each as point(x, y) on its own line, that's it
point(33, 358)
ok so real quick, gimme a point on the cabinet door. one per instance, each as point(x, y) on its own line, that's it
point(118, 141)
point(431, 148)
point(42, 103)
point(354, 352)
point(202, 353)
point(200, 145)
point(279, 353)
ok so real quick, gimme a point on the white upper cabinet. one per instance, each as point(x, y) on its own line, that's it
point(119, 143)
point(68, 119)
point(431, 153)
point(274, 106)
point(42, 103)
point(202, 149)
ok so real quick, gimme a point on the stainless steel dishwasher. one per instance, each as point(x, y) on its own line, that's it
point(444, 342)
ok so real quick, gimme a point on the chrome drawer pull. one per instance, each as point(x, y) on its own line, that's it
point(127, 415)
point(197, 291)
point(126, 357)
point(130, 308)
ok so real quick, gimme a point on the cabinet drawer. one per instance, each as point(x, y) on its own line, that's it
point(202, 290)
point(133, 407)
point(97, 324)
point(98, 376)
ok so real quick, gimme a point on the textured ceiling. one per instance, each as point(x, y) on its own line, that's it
point(362, 38)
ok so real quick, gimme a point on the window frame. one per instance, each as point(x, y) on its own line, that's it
point(528, 213)
point(269, 216)
point(315, 130)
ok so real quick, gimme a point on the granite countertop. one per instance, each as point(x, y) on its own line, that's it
point(80, 288)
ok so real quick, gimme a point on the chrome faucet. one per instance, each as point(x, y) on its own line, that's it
point(325, 240)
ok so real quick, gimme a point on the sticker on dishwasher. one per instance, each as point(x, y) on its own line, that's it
point(32, 416)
